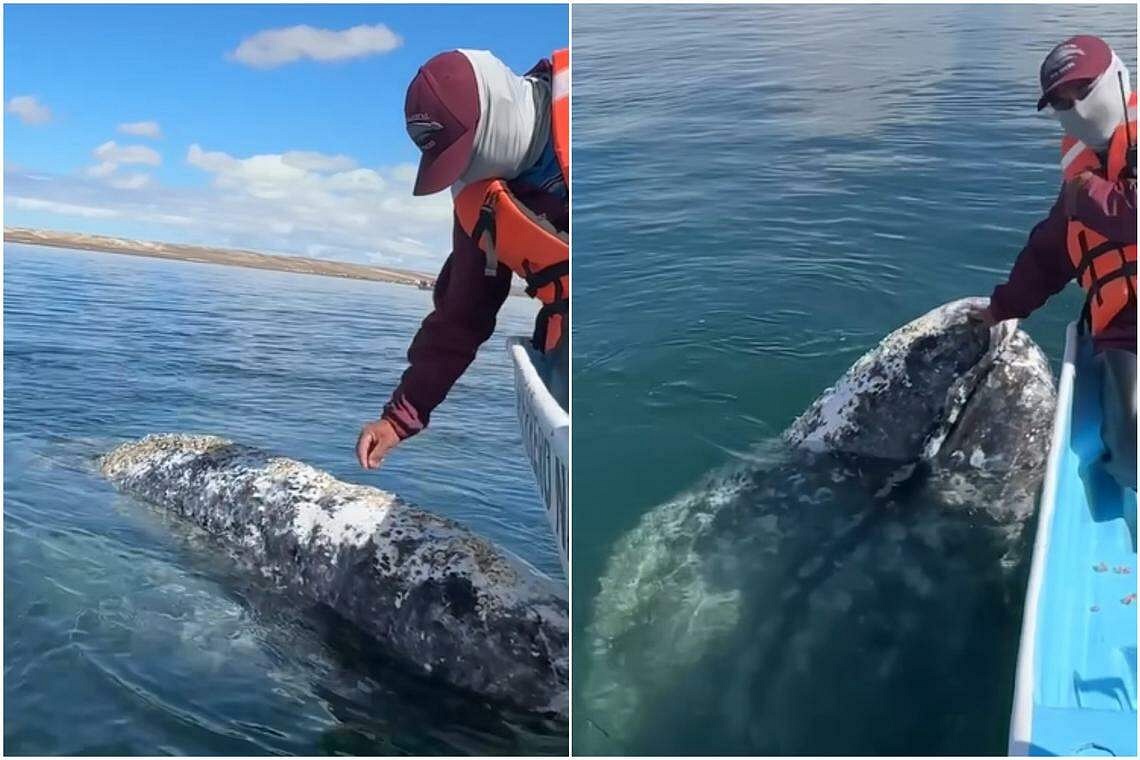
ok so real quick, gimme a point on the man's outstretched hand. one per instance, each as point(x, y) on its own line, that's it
point(982, 314)
point(376, 440)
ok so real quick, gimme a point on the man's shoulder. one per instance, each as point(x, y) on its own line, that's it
point(541, 69)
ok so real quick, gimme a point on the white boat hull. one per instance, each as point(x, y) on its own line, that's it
point(546, 437)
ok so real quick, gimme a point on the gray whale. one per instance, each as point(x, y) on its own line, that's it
point(824, 596)
point(431, 592)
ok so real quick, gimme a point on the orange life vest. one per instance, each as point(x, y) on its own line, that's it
point(510, 233)
point(1106, 269)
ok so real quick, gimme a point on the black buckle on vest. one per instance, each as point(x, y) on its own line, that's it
point(485, 225)
point(1089, 255)
point(542, 322)
point(543, 277)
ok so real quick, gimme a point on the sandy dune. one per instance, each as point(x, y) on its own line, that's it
point(249, 259)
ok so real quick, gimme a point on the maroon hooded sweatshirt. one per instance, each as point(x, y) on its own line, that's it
point(1043, 267)
point(467, 302)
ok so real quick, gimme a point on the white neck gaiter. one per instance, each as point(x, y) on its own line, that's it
point(1094, 118)
point(514, 121)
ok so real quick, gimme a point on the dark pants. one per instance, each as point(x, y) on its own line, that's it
point(1118, 403)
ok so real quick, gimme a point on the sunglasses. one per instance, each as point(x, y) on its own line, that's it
point(1068, 94)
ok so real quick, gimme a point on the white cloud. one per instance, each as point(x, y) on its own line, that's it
point(63, 209)
point(29, 109)
point(212, 162)
point(111, 152)
point(352, 199)
point(294, 202)
point(112, 155)
point(264, 176)
point(104, 169)
point(276, 47)
point(406, 172)
point(318, 162)
point(356, 181)
point(130, 181)
point(173, 219)
point(141, 129)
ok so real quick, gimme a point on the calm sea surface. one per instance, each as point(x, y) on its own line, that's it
point(128, 632)
point(761, 194)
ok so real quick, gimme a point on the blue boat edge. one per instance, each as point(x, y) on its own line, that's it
point(1075, 686)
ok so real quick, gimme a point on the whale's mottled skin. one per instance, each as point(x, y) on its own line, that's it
point(787, 602)
point(429, 590)
point(892, 400)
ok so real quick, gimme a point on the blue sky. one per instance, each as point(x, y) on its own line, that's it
point(260, 126)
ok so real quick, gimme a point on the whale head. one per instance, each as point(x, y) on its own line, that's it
point(901, 400)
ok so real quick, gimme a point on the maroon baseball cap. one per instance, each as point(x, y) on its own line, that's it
point(442, 110)
point(1079, 58)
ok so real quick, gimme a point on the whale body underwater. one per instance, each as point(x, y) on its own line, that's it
point(429, 591)
point(828, 594)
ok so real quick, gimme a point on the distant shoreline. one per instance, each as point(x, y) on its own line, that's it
point(223, 256)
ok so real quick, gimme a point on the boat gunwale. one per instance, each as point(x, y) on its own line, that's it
point(1025, 682)
point(550, 414)
point(517, 348)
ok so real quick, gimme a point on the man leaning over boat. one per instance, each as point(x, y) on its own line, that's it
point(500, 141)
point(1090, 233)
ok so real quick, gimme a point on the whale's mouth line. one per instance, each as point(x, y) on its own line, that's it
point(963, 390)
point(944, 429)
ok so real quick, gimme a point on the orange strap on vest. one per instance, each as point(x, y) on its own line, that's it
point(511, 234)
point(1106, 269)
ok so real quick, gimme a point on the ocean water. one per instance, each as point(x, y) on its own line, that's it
point(761, 194)
point(127, 631)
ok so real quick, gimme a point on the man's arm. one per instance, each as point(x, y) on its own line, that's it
point(467, 302)
point(1042, 268)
